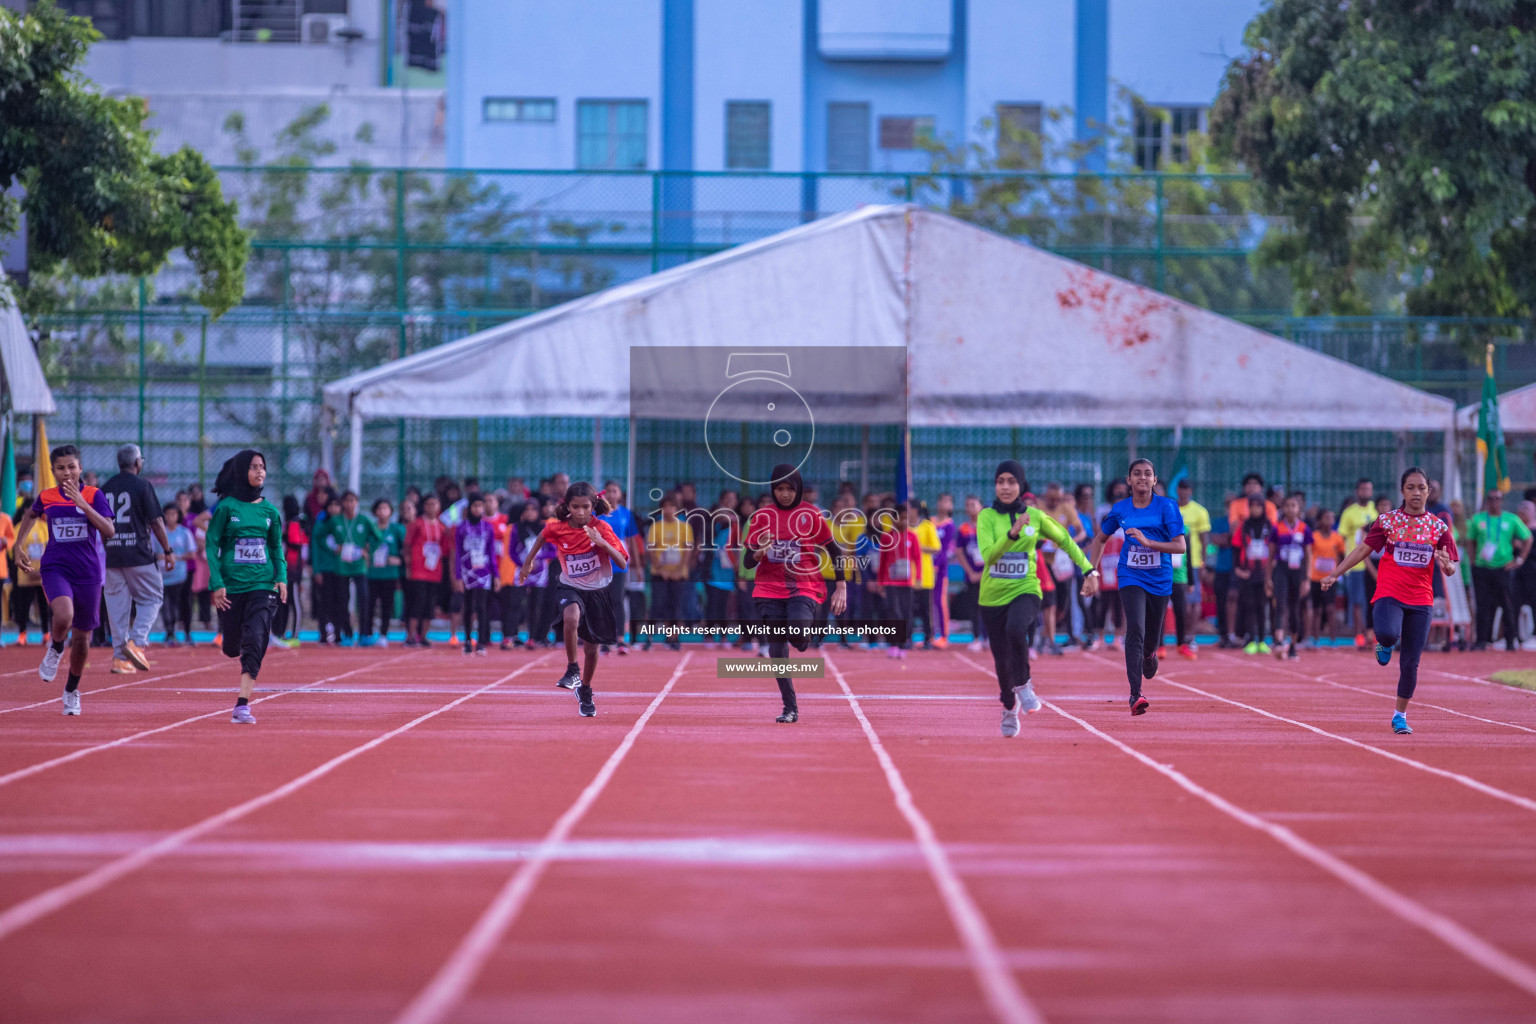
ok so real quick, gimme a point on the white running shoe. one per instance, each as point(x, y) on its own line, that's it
point(50, 666)
point(383, 641)
point(1011, 722)
point(1027, 701)
point(243, 716)
point(72, 702)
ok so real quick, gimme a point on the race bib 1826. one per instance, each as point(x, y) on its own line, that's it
point(1412, 556)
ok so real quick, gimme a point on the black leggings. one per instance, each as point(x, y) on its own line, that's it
point(897, 604)
point(1408, 624)
point(1289, 602)
point(1181, 613)
point(922, 611)
point(22, 599)
point(1494, 589)
point(1008, 628)
point(512, 600)
point(800, 610)
point(1251, 604)
point(381, 606)
point(476, 602)
point(171, 611)
point(246, 627)
point(1143, 630)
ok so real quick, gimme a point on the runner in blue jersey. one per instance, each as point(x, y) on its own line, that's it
point(1154, 531)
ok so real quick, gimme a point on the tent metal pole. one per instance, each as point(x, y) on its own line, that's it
point(629, 472)
point(328, 441)
point(1452, 472)
point(863, 461)
point(597, 452)
point(355, 454)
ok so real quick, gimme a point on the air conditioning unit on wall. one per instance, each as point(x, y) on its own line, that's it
point(323, 28)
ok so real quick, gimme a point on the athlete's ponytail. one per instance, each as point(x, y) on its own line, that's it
point(600, 506)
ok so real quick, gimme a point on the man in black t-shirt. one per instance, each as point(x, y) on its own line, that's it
point(135, 585)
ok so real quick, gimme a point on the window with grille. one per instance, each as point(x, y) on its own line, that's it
point(847, 136)
point(610, 135)
point(1162, 134)
point(1019, 128)
point(514, 108)
point(905, 132)
point(747, 127)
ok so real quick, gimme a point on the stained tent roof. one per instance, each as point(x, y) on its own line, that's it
point(998, 333)
point(23, 374)
point(1517, 412)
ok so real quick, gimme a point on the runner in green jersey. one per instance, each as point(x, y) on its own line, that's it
point(1006, 535)
point(246, 568)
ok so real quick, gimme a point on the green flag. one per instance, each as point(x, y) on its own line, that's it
point(1490, 434)
point(8, 472)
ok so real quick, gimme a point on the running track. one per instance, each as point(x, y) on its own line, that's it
point(419, 837)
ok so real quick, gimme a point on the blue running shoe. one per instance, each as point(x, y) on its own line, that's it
point(1383, 654)
point(1400, 724)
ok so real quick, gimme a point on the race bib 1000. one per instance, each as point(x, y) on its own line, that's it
point(1012, 565)
point(70, 530)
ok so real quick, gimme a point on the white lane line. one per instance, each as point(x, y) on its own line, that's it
point(1389, 696)
point(50, 900)
point(104, 689)
point(1474, 948)
point(42, 766)
point(1480, 682)
point(457, 974)
point(1002, 990)
point(1524, 803)
point(1469, 945)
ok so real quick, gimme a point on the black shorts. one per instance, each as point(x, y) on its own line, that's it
point(800, 610)
point(596, 625)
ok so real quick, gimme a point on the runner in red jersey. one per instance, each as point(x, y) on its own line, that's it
point(1413, 542)
point(589, 549)
point(782, 541)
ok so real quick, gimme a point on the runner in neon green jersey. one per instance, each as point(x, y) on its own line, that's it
point(1007, 533)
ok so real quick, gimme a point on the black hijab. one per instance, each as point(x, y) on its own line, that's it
point(234, 479)
point(1016, 506)
point(785, 473)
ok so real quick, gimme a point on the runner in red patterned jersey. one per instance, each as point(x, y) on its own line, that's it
point(1413, 543)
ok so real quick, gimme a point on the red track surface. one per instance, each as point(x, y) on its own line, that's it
point(704, 864)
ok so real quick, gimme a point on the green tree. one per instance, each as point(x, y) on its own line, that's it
point(98, 198)
point(1196, 250)
point(1396, 139)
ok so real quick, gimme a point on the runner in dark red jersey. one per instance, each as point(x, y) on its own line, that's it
point(1412, 542)
point(782, 542)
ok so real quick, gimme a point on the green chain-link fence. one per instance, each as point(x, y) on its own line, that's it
point(353, 267)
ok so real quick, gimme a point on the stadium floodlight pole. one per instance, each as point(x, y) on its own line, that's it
point(629, 471)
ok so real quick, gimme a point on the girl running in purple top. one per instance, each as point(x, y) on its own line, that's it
point(74, 565)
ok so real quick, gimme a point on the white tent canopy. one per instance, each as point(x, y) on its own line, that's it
point(1517, 412)
point(23, 374)
point(998, 333)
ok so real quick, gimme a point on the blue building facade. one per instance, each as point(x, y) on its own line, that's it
point(817, 85)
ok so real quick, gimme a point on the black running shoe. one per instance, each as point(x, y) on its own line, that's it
point(584, 702)
point(571, 680)
point(789, 715)
point(1149, 666)
point(1139, 705)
